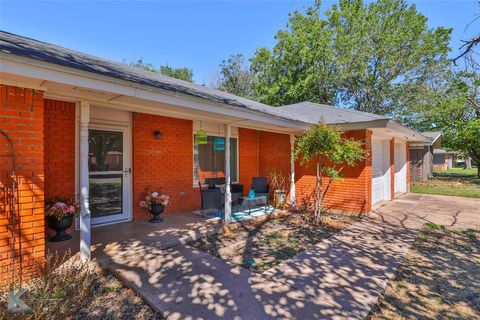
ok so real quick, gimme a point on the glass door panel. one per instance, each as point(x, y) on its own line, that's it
point(106, 175)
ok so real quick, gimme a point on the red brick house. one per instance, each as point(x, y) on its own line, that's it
point(60, 108)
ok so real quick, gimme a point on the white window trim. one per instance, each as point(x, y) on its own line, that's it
point(213, 134)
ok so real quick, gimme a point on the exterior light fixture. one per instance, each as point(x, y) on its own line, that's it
point(157, 134)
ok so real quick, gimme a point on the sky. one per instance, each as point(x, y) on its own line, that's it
point(194, 34)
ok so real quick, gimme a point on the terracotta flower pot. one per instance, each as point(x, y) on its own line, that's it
point(156, 210)
point(60, 226)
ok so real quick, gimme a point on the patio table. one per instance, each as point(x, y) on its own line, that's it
point(254, 202)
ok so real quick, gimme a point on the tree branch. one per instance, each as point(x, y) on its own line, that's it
point(468, 45)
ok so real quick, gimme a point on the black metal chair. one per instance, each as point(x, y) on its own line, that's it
point(261, 186)
point(211, 199)
point(236, 189)
point(213, 182)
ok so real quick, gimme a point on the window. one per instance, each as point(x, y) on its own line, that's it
point(439, 158)
point(209, 160)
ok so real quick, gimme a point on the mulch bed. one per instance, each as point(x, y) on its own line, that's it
point(261, 243)
point(439, 279)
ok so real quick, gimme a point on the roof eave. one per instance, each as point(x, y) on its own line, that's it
point(28, 67)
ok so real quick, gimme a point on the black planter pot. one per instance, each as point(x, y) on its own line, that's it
point(156, 210)
point(60, 226)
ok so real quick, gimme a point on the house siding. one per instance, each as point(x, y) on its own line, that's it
point(21, 117)
point(164, 164)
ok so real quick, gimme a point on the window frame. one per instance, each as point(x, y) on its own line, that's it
point(213, 134)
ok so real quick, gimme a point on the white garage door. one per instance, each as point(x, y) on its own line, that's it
point(380, 170)
point(400, 167)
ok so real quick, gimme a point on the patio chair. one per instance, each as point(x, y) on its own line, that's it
point(261, 186)
point(236, 189)
point(211, 199)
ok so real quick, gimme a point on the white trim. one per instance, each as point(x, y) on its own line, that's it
point(85, 228)
point(212, 134)
point(22, 84)
point(77, 158)
point(127, 185)
point(292, 169)
point(228, 195)
point(36, 69)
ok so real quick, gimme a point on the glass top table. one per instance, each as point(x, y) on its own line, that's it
point(252, 202)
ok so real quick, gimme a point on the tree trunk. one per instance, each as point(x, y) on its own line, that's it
point(468, 163)
point(318, 194)
point(476, 157)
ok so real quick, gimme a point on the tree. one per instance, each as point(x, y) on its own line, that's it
point(235, 77)
point(184, 73)
point(457, 113)
point(360, 55)
point(331, 153)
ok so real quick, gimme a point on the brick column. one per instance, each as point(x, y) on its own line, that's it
point(22, 232)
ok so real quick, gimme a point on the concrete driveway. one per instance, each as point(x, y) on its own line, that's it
point(453, 212)
point(339, 278)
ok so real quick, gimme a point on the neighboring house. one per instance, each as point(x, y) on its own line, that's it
point(106, 131)
point(442, 159)
point(421, 156)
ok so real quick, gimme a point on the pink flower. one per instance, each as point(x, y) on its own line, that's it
point(142, 203)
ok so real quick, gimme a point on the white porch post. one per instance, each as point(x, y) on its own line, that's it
point(228, 195)
point(292, 169)
point(85, 210)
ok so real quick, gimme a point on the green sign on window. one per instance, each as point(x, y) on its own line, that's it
point(201, 137)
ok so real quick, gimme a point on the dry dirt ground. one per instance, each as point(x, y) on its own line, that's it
point(260, 244)
point(111, 300)
point(439, 279)
point(98, 295)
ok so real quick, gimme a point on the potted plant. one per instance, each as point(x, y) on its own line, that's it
point(155, 203)
point(278, 182)
point(60, 213)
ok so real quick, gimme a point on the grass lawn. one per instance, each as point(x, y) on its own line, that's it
point(449, 186)
point(462, 171)
point(437, 280)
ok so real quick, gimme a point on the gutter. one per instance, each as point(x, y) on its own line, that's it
point(128, 88)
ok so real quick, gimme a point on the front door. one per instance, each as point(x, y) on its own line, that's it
point(109, 174)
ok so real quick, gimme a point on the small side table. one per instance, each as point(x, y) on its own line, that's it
point(251, 202)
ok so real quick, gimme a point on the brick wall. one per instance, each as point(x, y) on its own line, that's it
point(352, 194)
point(274, 153)
point(21, 117)
point(248, 147)
point(261, 152)
point(164, 164)
point(59, 149)
point(59, 131)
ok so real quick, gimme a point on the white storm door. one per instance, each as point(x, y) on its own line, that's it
point(400, 167)
point(109, 174)
point(378, 174)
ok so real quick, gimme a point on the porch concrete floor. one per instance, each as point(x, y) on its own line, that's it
point(133, 235)
point(339, 278)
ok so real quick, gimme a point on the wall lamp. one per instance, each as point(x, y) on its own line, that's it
point(157, 134)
